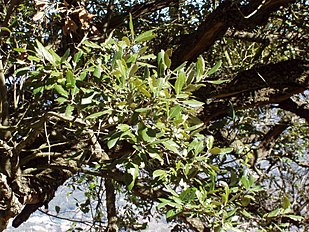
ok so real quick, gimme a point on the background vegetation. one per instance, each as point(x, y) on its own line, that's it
point(197, 110)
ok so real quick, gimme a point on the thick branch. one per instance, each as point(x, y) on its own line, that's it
point(4, 106)
point(268, 142)
point(136, 11)
point(216, 24)
point(41, 188)
point(293, 107)
point(268, 84)
point(111, 206)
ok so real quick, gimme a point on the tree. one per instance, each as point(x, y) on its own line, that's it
point(199, 109)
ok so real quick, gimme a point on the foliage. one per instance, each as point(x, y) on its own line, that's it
point(104, 99)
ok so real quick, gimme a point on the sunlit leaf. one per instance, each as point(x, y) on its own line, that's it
point(112, 142)
point(180, 81)
point(285, 202)
point(145, 36)
point(193, 103)
point(71, 81)
point(61, 90)
point(131, 26)
point(170, 213)
point(215, 68)
point(159, 173)
point(45, 53)
point(133, 171)
point(171, 145)
point(68, 110)
point(175, 111)
point(97, 114)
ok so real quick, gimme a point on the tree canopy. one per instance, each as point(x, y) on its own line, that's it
point(197, 110)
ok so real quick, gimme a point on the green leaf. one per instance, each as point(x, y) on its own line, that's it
point(83, 75)
point(197, 146)
point(156, 156)
point(87, 100)
point(77, 56)
point(226, 150)
point(245, 182)
point(170, 213)
point(91, 44)
point(71, 81)
point(133, 171)
point(217, 150)
point(61, 100)
point(68, 110)
point(200, 68)
point(148, 56)
point(246, 214)
point(123, 127)
point(285, 202)
point(131, 25)
point(21, 71)
point(172, 191)
point(45, 53)
point(159, 173)
point(210, 141)
point(146, 137)
point(180, 81)
point(56, 57)
point(65, 56)
point(175, 111)
point(294, 217)
point(5, 29)
point(39, 89)
point(215, 68)
point(34, 58)
point(245, 201)
point(146, 36)
point(273, 213)
point(163, 203)
point(167, 60)
point(217, 82)
point(98, 114)
point(133, 70)
point(193, 103)
point(20, 50)
point(126, 40)
point(111, 143)
point(61, 90)
point(97, 71)
point(142, 110)
point(171, 145)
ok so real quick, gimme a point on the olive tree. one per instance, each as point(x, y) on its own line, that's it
point(198, 110)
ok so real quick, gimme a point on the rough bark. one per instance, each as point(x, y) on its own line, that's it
point(269, 140)
point(295, 108)
point(4, 106)
point(259, 86)
point(227, 15)
point(136, 11)
point(35, 170)
point(33, 180)
point(111, 206)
